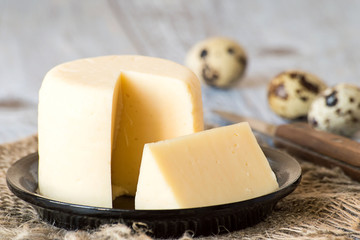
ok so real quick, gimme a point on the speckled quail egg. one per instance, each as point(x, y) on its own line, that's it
point(337, 110)
point(219, 62)
point(291, 93)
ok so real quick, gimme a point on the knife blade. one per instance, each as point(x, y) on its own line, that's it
point(302, 140)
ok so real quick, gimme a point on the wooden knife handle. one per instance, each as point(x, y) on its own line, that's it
point(331, 145)
point(311, 156)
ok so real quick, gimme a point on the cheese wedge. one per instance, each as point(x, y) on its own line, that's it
point(217, 166)
point(96, 114)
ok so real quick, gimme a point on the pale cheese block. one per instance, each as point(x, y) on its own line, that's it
point(96, 114)
point(217, 166)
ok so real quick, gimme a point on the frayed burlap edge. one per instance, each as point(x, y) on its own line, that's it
point(326, 205)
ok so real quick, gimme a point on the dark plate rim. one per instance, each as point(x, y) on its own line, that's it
point(76, 209)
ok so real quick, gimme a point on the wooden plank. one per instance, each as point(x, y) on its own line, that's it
point(321, 37)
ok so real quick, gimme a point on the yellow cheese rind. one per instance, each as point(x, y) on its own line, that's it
point(81, 109)
point(216, 166)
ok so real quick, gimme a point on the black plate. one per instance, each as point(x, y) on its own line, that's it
point(22, 181)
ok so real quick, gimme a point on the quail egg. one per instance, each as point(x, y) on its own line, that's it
point(290, 93)
point(337, 110)
point(219, 62)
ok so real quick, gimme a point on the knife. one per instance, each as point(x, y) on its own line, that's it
point(303, 141)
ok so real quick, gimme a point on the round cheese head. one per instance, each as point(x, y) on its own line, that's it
point(96, 114)
point(218, 62)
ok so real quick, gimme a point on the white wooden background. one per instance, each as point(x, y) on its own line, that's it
point(321, 36)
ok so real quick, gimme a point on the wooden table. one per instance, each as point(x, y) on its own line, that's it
point(321, 36)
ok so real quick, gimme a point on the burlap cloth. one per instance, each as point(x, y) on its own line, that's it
point(326, 205)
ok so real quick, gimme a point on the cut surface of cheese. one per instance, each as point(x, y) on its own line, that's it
point(216, 166)
point(96, 114)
